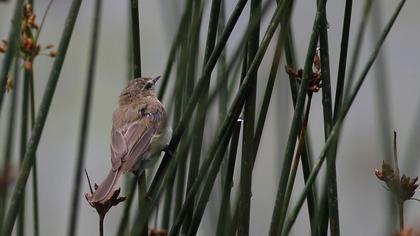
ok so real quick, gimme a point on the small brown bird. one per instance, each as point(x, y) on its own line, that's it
point(139, 130)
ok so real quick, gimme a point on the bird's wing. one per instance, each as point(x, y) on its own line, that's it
point(131, 141)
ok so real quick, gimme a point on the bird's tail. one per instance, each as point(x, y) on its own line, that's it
point(105, 189)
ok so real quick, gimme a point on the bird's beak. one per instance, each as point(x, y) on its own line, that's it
point(156, 79)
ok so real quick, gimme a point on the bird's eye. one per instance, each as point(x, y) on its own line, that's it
point(148, 85)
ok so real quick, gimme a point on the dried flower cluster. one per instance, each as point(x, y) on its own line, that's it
point(29, 48)
point(103, 207)
point(403, 188)
point(315, 76)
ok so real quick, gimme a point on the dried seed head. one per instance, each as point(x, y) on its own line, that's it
point(27, 44)
point(403, 188)
point(27, 10)
point(53, 53)
point(3, 46)
point(103, 207)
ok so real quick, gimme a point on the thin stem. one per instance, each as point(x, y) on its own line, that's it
point(182, 28)
point(401, 214)
point(208, 185)
point(84, 127)
point(9, 144)
point(297, 117)
point(199, 124)
point(13, 40)
point(42, 113)
point(296, 161)
point(323, 209)
point(101, 225)
point(306, 153)
point(224, 213)
point(135, 26)
point(122, 226)
point(247, 164)
point(34, 171)
point(358, 45)
point(142, 189)
point(336, 128)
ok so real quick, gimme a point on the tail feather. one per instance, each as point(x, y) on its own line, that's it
point(105, 189)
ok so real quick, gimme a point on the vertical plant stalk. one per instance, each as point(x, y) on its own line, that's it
point(337, 125)
point(323, 210)
point(135, 26)
point(122, 226)
point(328, 123)
point(84, 128)
point(358, 45)
point(23, 143)
point(247, 163)
point(383, 105)
point(34, 168)
point(224, 213)
point(296, 160)
point(297, 117)
point(13, 40)
point(42, 113)
point(135, 33)
point(101, 225)
point(179, 37)
point(9, 144)
point(208, 185)
point(23, 140)
point(199, 124)
point(306, 153)
point(400, 203)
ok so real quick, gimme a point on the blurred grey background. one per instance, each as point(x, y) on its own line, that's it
point(362, 204)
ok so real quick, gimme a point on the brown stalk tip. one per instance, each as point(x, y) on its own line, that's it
point(103, 207)
point(157, 232)
point(53, 53)
point(3, 46)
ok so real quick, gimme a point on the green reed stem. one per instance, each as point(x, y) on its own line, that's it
point(199, 124)
point(297, 117)
point(323, 210)
point(247, 164)
point(135, 27)
point(13, 41)
point(306, 154)
point(87, 104)
point(122, 226)
point(358, 45)
point(224, 213)
point(337, 125)
point(9, 141)
point(208, 185)
point(42, 113)
point(179, 37)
